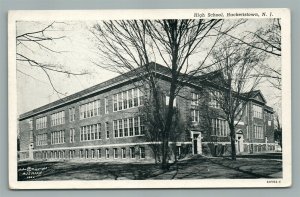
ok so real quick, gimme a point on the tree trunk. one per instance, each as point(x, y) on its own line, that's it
point(233, 151)
point(166, 131)
point(232, 142)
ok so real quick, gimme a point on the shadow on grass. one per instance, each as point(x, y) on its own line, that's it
point(86, 171)
point(247, 165)
point(197, 167)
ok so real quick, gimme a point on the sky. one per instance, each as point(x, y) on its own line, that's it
point(77, 50)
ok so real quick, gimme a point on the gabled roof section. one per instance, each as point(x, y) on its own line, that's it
point(256, 95)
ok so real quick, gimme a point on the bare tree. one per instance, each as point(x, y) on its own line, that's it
point(268, 40)
point(207, 114)
point(231, 92)
point(29, 43)
point(153, 132)
point(128, 45)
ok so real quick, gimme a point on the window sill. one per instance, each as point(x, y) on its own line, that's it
point(130, 136)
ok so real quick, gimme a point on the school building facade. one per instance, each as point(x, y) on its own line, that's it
point(104, 123)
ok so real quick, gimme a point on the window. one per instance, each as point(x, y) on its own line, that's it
point(130, 126)
point(71, 154)
point(86, 154)
point(58, 118)
point(90, 109)
point(62, 137)
point(136, 126)
point(106, 130)
point(81, 111)
point(120, 128)
point(127, 99)
point(195, 99)
point(106, 105)
point(120, 101)
point(222, 131)
point(41, 139)
point(90, 132)
point(123, 150)
point(125, 127)
point(58, 137)
point(115, 102)
point(72, 135)
point(141, 97)
point(270, 116)
point(130, 96)
point(93, 153)
point(99, 153)
point(219, 127)
point(72, 114)
point(98, 131)
point(98, 107)
point(142, 126)
point(115, 126)
point(85, 109)
point(168, 100)
point(93, 132)
point(258, 132)
point(142, 152)
point(240, 111)
point(215, 99)
point(115, 153)
point(132, 152)
point(195, 115)
point(107, 153)
point(135, 97)
point(81, 134)
point(257, 111)
point(41, 123)
point(81, 154)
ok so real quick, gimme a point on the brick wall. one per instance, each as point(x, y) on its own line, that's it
point(183, 104)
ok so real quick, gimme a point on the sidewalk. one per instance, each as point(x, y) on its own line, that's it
point(216, 168)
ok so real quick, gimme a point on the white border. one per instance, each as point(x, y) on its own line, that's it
point(284, 14)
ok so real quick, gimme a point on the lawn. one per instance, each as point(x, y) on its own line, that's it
point(194, 168)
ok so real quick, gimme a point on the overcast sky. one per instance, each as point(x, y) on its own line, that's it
point(77, 52)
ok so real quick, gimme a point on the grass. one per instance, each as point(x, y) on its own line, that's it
point(194, 168)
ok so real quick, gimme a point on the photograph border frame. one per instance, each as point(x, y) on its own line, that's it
point(238, 183)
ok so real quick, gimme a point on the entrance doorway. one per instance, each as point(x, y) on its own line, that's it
point(196, 142)
point(195, 145)
point(239, 139)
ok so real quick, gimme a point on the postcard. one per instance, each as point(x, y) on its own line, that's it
point(191, 98)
